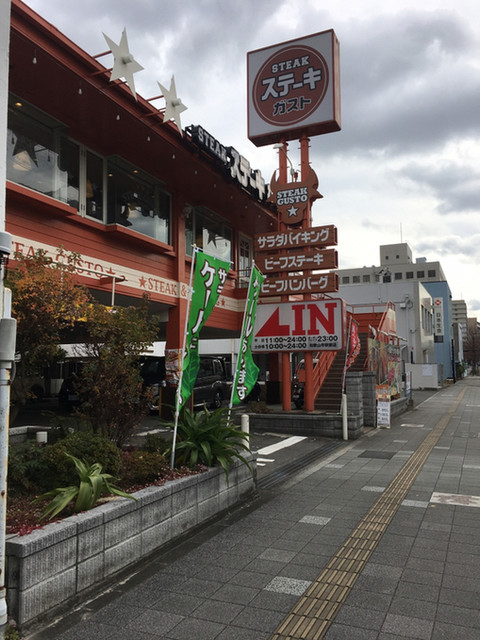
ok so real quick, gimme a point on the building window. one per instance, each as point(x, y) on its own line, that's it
point(387, 278)
point(432, 273)
point(245, 253)
point(356, 279)
point(409, 275)
point(94, 186)
point(135, 200)
point(398, 276)
point(211, 234)
point(346, 280)
point(32, 149)
point(42, 158)
point(366, 278)
point(420, 274)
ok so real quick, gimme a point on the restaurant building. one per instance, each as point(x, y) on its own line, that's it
point(97, 169)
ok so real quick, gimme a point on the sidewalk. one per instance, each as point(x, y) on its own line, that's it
point(380, 541)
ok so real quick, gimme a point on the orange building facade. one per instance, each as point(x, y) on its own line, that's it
point(98, 171)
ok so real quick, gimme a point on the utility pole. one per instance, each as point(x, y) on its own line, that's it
point(7, 324)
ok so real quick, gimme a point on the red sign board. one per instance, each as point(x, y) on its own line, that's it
point(294, 89)
point(314, 237)
point(326, 259)
point(313, 325)
point(293, 285)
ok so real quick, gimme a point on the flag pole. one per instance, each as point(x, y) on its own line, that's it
point(179, 383)
point(235, 378)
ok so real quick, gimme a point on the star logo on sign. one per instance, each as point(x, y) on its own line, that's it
point(173, 105)
point(292, 211)
point(124, 64)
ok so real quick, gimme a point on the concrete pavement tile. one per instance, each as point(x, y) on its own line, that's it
point(465, 584)
point(359, 617)
point(235, 593)
point(382, 571)
point(274, 601)
point(413, 608)
point(422, 592)
point(212, 610)
point(345, 632)
point(251, 579)
point(424, 564)
point(156, 623)
point(408, 627)
point(180, 603)
point(88, 630)
point(237, 633)
point(422, 577)
point(197, 587)
point(459, 615)
point(376, 584)
point(459, 598)
point(195, 628)
point(259, 619)
point(278, 555)
point(442, 631)
point(369, 600)
point(117, 614)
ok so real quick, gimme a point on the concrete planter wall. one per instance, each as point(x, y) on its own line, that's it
point(50, 567)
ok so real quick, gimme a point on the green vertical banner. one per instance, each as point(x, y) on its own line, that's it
point(246, 373)
point(209, 277)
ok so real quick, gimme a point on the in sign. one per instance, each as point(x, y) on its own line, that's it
point(300, 326)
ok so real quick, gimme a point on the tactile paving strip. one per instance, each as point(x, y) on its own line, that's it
point(313, 614)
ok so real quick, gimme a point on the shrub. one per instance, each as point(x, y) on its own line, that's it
point(209, 438)
point(155, 443)
point(142, 467)
point(84, 445)
point(93, 483)
point(26, 467)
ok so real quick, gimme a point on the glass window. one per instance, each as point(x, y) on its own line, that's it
point(136, 202)
point(94, 186)
point(346, 280)
point(68, 179)
point(31, 155)
point(409, 275)
point(398, 276)
point(356, 279)
point(366, 278)
point(387, 278)
point(211, 234)
point(245, 252)
point(432, 273)
point(420, 274)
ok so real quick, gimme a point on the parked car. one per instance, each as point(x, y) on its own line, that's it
point(211, 386)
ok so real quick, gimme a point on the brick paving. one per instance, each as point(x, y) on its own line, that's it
point(379, 541)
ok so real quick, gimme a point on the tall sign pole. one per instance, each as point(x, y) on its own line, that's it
point(293, 94)
point(7, 324)
point(308, 395)
point(285, 356)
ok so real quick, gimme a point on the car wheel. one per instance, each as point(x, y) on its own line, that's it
point(217, 400)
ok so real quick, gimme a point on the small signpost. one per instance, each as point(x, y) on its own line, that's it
point(383, 406)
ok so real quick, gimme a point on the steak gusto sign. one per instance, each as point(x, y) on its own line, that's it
point(290, 85)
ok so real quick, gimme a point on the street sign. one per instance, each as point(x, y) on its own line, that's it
point(314, 238)
point(326, 259)
point(292, 285)
point(312, 325)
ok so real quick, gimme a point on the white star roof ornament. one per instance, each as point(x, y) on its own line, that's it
point(124, 64)
point(173, 105)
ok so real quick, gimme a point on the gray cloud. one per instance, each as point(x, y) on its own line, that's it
point(456, 186)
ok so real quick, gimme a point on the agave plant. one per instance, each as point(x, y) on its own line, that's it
point(210, 438)
point(93, 483)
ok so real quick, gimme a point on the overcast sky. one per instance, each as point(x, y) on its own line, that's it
point(406, 165)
